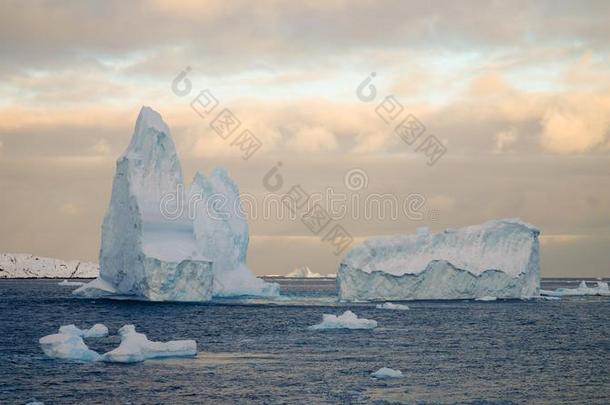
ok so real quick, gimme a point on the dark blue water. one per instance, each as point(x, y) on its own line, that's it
point(449, 352)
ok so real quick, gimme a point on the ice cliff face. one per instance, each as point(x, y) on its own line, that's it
point(29, 266)
point(498, 258)
point(145, 252)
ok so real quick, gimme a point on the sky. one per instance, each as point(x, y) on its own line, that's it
point(518, 94)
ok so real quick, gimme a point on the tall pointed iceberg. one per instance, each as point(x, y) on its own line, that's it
point(146, 251)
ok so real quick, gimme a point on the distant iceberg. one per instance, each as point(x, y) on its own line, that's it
point(385, 372)
point(149, 253)
point(392, 306)
point(583, 289)
point(348, 320)
point(303, 272)
point(498, 259)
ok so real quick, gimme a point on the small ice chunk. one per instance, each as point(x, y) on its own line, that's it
point(486, 298)
point(390, 305)
point(96, 331)
point(136, 347)
point(348, 320)
point(71, 283)
point(67, 346)
point(385, 372)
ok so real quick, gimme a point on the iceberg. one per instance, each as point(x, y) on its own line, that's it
point(135, 347)
point(348, 320)
point(68, 344)
point(583, 289)
point(154, 249)
point(385, 372)
point(499, 258)
point(390, 305)
point(303, 272)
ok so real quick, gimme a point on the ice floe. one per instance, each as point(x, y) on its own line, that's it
point(136, 347)
point(348, 320)
point(390, 305)
point(68, 344)
point(385, 372)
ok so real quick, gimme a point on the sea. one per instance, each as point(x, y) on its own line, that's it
point(257, 351)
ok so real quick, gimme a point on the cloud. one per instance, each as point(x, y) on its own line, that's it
point(576, 123)
point(312, 139)
point(504, 139)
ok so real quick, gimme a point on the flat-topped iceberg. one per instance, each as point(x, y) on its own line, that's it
point(153, 247)
point(499, 258)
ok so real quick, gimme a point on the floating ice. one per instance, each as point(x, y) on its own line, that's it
point(136, 347)
point(348, 320)
point(486, 298)
point(71, 283)
point(498, 258)
point(303, 272)
point(390, 305)
point(68, 344)
point(96, 331)
point(385, 372)
point(583, 289)
point(153, 247)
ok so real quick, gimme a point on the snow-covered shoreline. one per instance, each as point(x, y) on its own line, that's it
point(27, 266)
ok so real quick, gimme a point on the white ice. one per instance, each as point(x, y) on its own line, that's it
point(96, 331)
point(348, 320)
point(136, 347)
point(68, 344)
point(390, 305)
point(583, 289)
point(486, 298)
point(385, 372)
point(70, 283)
point(303, 272)
point(18, 265)
point(499, 258)
point(162, 241)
